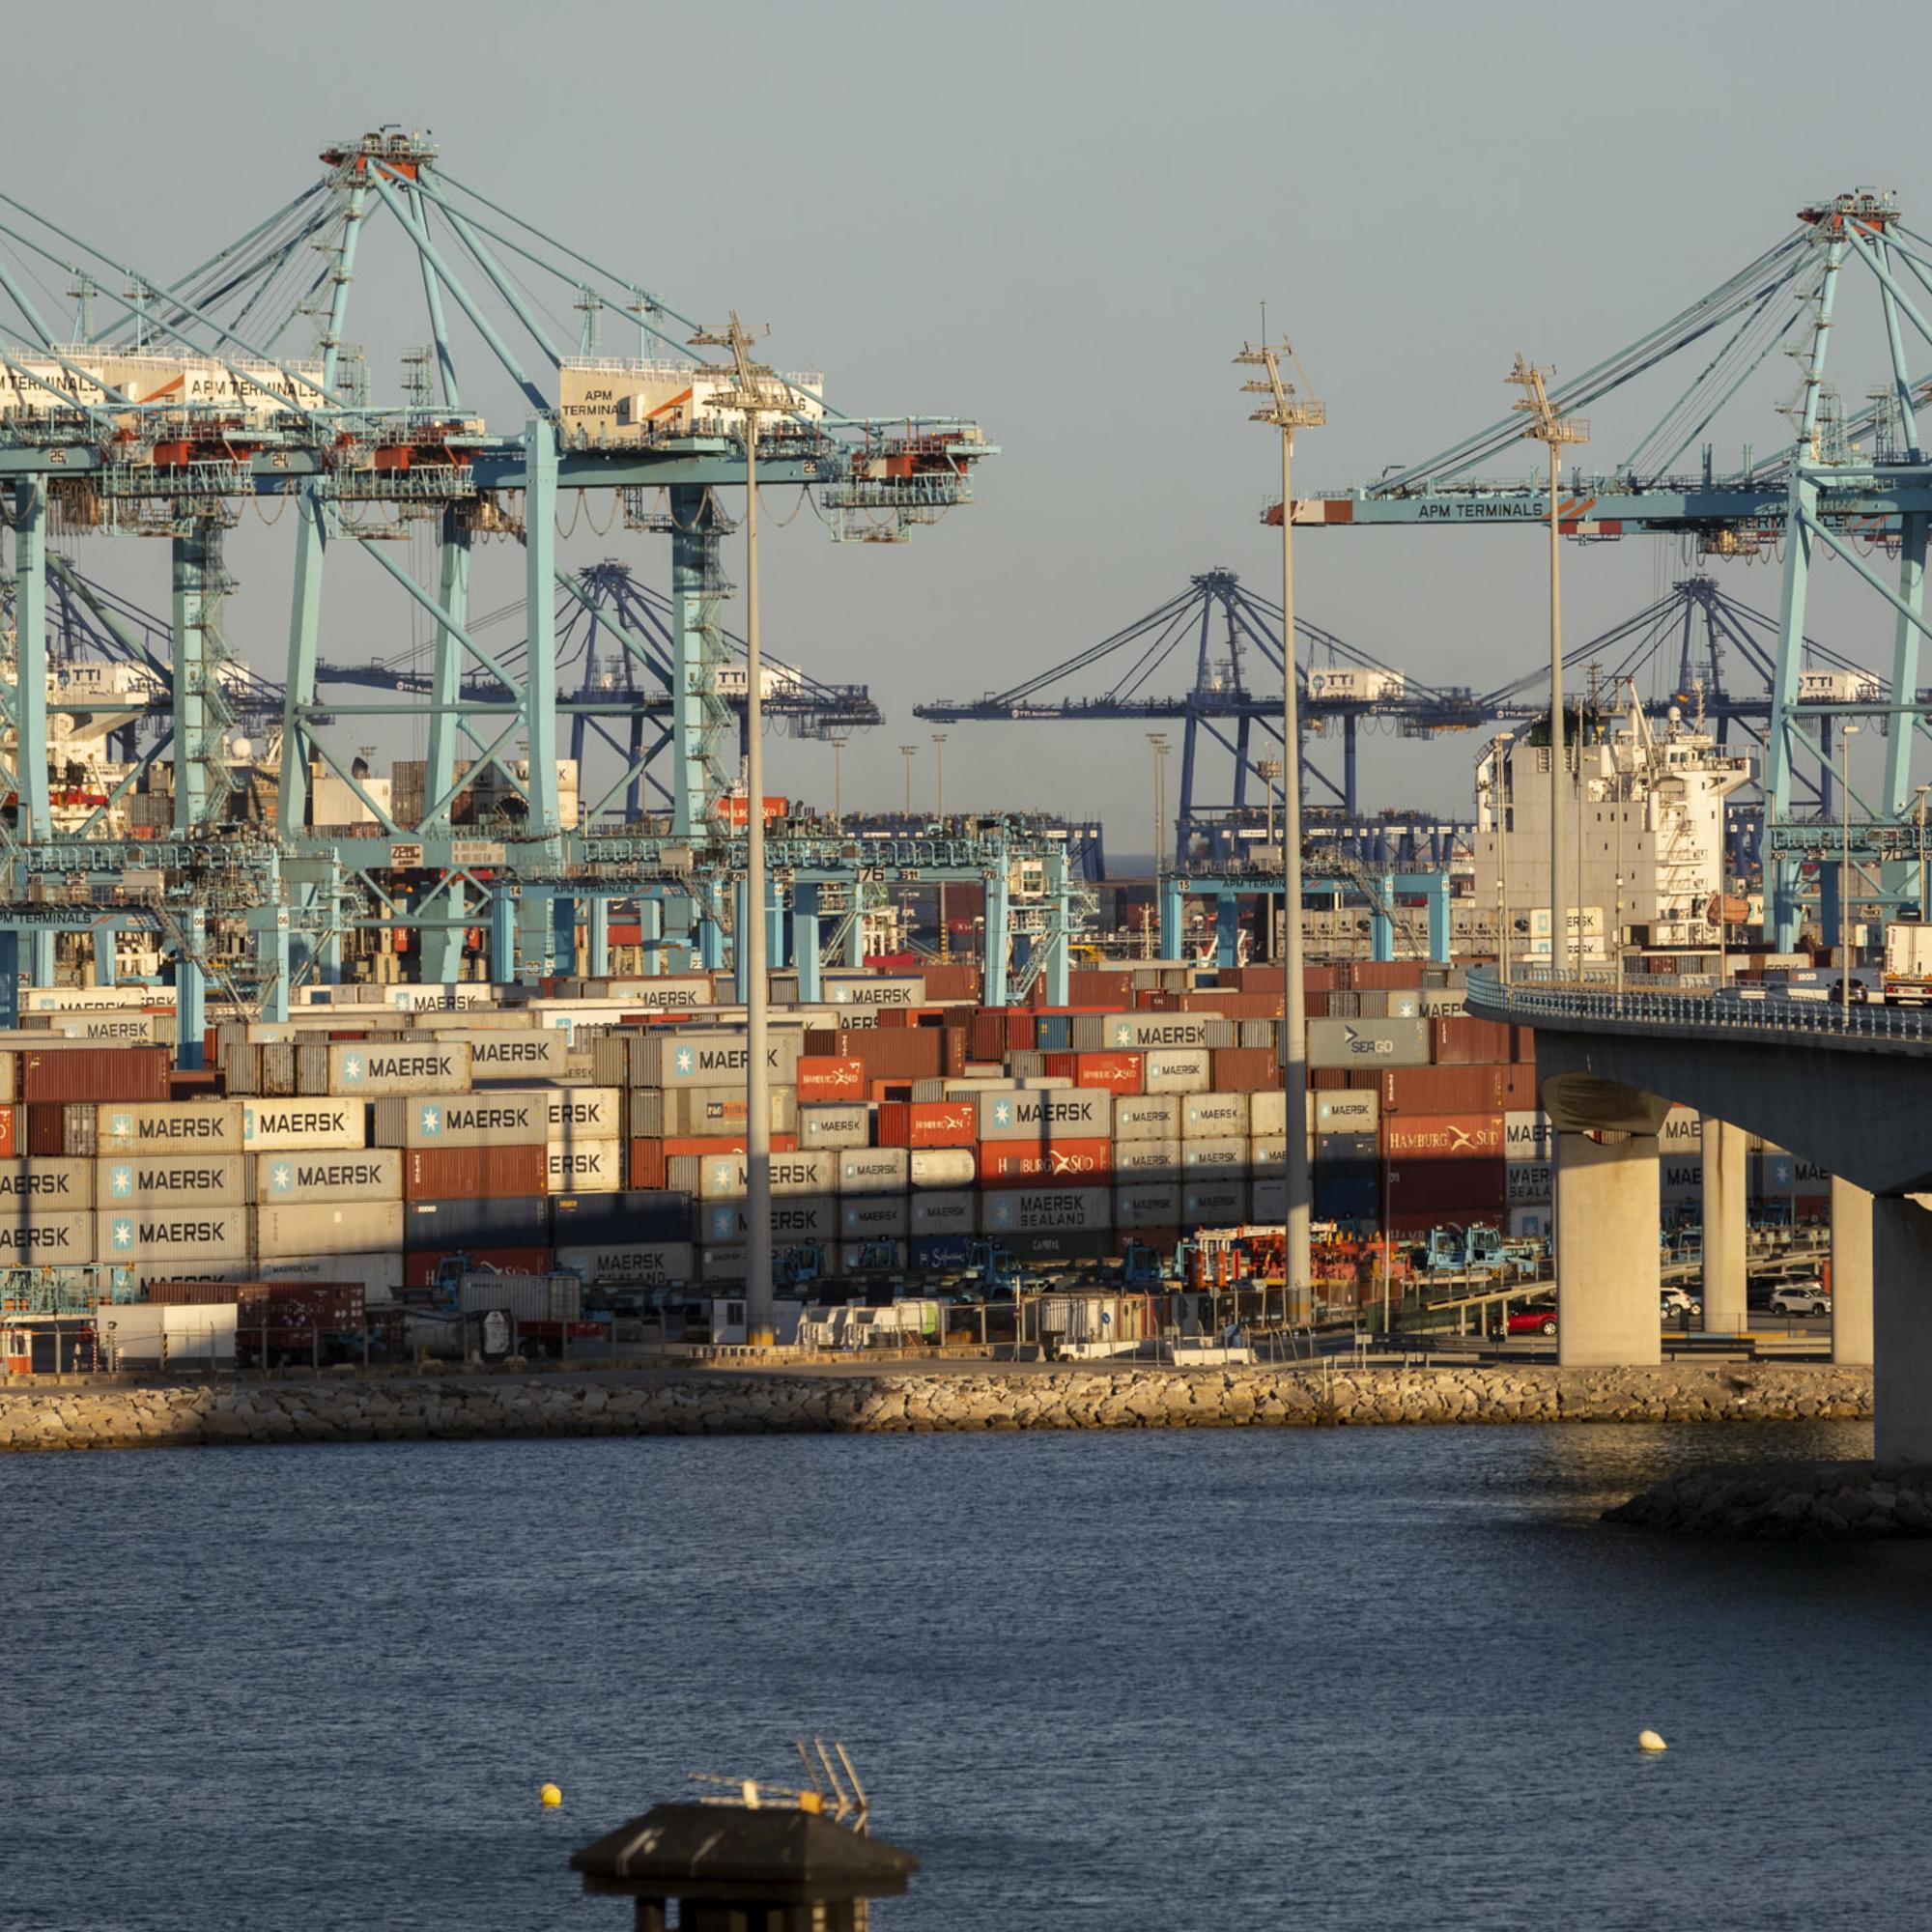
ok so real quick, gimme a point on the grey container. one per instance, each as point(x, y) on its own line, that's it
point(1369, 1043)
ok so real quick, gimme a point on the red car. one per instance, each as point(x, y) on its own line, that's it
point(1532, 1321)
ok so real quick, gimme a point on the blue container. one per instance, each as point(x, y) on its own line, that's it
point(1053, 1033)
point(1345, 1150)
point(638, 1214)
point(499, 1221)
point(1346, 1194)
point(942, 1251)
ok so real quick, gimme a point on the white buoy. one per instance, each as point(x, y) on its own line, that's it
point(1649, 1741)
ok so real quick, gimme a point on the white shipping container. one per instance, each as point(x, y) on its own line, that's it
point(1528, 1182)
point(1680, 1180)
point(1142, 1033)
point(1181, 1069)
point(573, 1114)
point(1147, 1160)
point(1268, 1199)
point(303, 1126)
point(873, 989)
point(584, 1166)
point(1069, 1114)
point(719, 1057)
point(1214, 1204)
point(1230, 1156)
point(941, 1167)
point(9, 1073)
point(721, 1262)
point(518, 1058)
point(1213, 1116)
point(45, 1188)
point(139, 1335)
point(873, 1171)
point(327, 1227)
point(1039, 1210)
point(122, 1029)
point(92, 999)
point(47, 1241)
point(1268, 1112)
point(1682, 1132)
point(369, 1069)
point(956, 1213)
point(498, 1117)
point(1356, 1111)
point(872, 1217)
point(168, 1126)
point(171, 1180)
point(645, 1264)
point(1528, 1137)
point(378, 1273)
point(834, 1126)
point(1267, 1151)
point(1149, 1116)
point(174, 1234)
point(726, 1176)
point(369, 1173)
point(1153, 1205)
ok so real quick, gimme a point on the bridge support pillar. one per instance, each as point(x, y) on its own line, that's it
point(1607, 1251)
point(1851, 1274)
point(1901, 1329)
point(1725, 1157)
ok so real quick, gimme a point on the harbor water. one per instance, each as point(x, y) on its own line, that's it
point(1333, 1679)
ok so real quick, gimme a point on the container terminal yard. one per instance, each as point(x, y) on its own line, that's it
point(569, 1032)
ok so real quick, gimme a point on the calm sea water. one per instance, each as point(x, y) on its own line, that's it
point(1377, 1678)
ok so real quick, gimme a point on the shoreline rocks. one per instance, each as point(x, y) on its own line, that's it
point(1787, 1502)
point(913, 1401)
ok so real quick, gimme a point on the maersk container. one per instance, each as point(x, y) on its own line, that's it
point(172, 1234)
point(1213, 1116)
point(1354, 1110)
point(1229, 1155)
point(1148, 1161)
point(854, 988)
point(295, 1180)
point(872, 1217)
point(528, 1299)
point(1146, 1116)
point(190, 1127)
point(504, 1221)
point(726, 1176)
point(1214, 1204)
point(1062, 1113)
point(51, 1186)
point(516, 1058)
point(1178, 1069)
point(794, 1219)
point(835, 1127)
point(378, 1273)
point(1527, 1136)
point(576, 1114)
point(631, 1265)
point(1682, 1131)
point(171, 1180)
point(498, 1117)
point(47, 1241)
point(650, 1218)
point(369, 1070)
point(874, 1171)
point(1140, 1031)
point(706, 1056)
point(303, 1125)
point(1032, 1210)
point(584, 1166)
point(953, 1212)
point(1147, 1205)
point(940, 1167)
point(327, 1227)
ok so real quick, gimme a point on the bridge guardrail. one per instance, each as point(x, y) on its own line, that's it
point(1688, 1002)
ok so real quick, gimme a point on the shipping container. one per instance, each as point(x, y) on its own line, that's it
point(494, 1221)
point(1268, 1199)
point(830, 1077)
point(202, 1127)
point(941, 1167)
point(1352, 1111)
point(1069, 1113)
point(1008, 1164)
point(1040, 1211)
point(1229, 1154)
point(422, 1266)
point(1244, 1069)
point(1147, 1205)
point(1368, 1042)
point(516, 1058)
point(874, 1171)
point(727, 1177)
point(1682, 1131)
point(1155, 1117)
point(1137, 1031)
point(1346, 1150)
point(171, 1180)
point(794, 1219)
point(130, 1074)
point(1443, 1137)
point(1453, 1189)
point(574, 1115)
point(1215, 1115)
point(326, 1228)
point(1147, 1161)
point(954, 1211)
point(584, 1166)
point(499, 1117)
point(1267, 1113)
point(1528, 1137)
point(703, 1112)
point(1177, 1069)
point(872, 1217)
point(1218, 1203)
point(631, 1265)
point(650, 1216)
point(472, 1173)
point(1462, 1040)
point(166, 1234)
point(46, 1238)
point(928, 1124)
point(846, 987)
point(369, 1070)
point(303, 1126)
point(1454, 1090)
point(835, 1127)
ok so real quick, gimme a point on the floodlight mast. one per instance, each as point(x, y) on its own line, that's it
point(1289, 412)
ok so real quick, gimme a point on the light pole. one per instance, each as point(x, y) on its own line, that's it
point(753, 390)
point(840, 740)
point(1289, 412)
point(1849, 732)
point(907, 751)
point(1547, 426)
point(939, 757)
point(1924, 912)
point(1271, 771)
point(1499, 787)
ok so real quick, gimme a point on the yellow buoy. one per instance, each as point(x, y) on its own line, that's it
point(1649, 1741)
point(551, 1797)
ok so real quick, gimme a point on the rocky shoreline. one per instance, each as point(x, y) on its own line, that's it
point(1794, 1502)
point(912, 1401)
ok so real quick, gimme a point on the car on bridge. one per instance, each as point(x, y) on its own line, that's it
point(1802, 1297)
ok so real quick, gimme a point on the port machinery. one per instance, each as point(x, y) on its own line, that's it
point(166, 408)
point(1847, 482)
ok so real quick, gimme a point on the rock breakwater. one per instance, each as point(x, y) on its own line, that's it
point(910, 1401)
point(1790, 1502)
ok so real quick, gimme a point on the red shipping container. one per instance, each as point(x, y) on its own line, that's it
point(1244, 1070)
point(1408, 1138)
point(645, 1163)
point(1064, 1164)
point(898, 1053)
point(1446, 1090)
point(46, 1130)
point(952, 979)
point(473, 1174)
point(1460, 1039)
point(420, 1265)
point(1387, 975)
point(823, 1077)
point(12, 1141)
point(1453, 1190)
point(94, 1073)
point(928, 1123)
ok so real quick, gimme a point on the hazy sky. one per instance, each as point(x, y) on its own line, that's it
point(1059, 219)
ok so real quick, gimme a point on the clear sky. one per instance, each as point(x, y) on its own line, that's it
point(1059, 219)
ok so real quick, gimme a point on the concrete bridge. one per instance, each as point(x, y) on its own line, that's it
point(1851, 1091)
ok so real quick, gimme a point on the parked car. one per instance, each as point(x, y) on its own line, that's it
point(1533, 1320)
point(1675, 1301)
point(1801, 1298)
